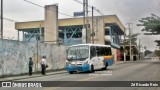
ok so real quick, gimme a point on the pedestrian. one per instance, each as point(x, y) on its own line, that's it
point(30, 66)
point(43, 65)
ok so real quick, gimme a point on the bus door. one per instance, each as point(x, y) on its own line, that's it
point(93, 56)
point(100, 57)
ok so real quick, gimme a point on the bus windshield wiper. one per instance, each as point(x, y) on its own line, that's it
point(80, 55)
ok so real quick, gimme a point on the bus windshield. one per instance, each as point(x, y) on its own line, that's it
point(78, 53)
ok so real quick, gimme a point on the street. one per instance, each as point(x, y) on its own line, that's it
point(145, 70)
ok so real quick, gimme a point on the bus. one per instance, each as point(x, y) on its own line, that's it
point(88, 57)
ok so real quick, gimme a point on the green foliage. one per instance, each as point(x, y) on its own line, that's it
point(157, 53)
point(147, 52)
point(133, 39)
point(151, 24)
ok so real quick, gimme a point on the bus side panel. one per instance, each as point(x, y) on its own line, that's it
point(108, 60)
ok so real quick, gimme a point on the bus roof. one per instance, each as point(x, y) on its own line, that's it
point(91, 45)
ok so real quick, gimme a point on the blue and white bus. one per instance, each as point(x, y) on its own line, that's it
point(88, 57)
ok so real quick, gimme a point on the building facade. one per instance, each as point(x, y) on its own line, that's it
point(107, 29)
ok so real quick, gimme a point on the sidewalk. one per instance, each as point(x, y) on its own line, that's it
point(26, 76)
point(33, 76)
point(119, 62)
point(122, 62)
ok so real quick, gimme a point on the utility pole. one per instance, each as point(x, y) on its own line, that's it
point(84, 30)
point(87, 22)
point(139, 49)
point(84, 12)
point(37, 57)
point(130, 52)
point(124, 55)
point(1, 19)
point(40, 33)
point(18, 35)
point(92, 26)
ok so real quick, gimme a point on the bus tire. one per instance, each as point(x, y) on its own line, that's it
point(70, 72)
point(92, 69)
point(105, 67)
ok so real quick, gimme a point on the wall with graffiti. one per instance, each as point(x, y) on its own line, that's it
point(14, 56)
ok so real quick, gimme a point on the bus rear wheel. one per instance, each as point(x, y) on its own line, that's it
point(105, 67)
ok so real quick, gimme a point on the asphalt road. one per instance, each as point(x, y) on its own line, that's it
point(145, 70)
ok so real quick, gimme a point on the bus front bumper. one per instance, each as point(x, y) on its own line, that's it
point(83, 68)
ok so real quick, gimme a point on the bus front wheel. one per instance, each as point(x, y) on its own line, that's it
point(92, 68)
point(70, 72)
point(105, 67)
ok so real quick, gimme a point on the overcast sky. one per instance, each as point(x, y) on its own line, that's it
point(128, 11)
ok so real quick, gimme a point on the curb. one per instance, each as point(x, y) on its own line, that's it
point(121, 62)
point(14, 78)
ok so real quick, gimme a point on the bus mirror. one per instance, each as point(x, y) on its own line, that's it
point(66, 50)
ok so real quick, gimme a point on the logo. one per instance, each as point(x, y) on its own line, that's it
point(6, 84)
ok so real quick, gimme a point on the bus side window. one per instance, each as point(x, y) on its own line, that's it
point(108, 51)
point(92, 52)
point(99, 51)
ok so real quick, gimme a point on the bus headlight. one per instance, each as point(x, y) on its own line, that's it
point(68, 64)
point(86, 62)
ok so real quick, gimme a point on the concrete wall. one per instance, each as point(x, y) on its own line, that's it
point(14, 56)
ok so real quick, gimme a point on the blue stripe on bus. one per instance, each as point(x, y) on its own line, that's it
point(110, 62)
point(83, 68)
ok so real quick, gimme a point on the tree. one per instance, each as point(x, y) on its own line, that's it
point(157, 53)
point(147, 52)
point(151, 24)
point(133, 39)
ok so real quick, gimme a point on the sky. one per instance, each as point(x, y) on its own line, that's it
point(128, 11)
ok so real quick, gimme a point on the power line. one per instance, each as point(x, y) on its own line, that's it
point(90, 7)
point(8, 19)
point(47, 9)
point(64, 13)
point(158, 3)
